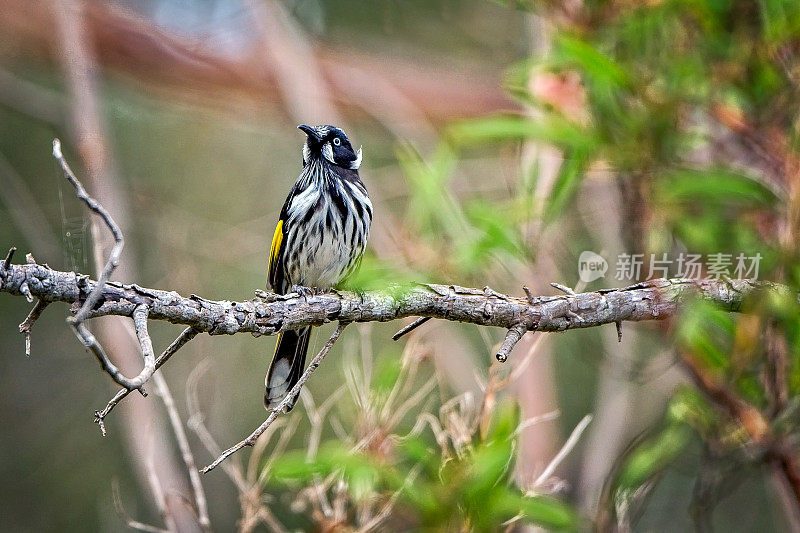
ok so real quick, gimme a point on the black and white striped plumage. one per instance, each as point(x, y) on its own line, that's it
point(321, 234)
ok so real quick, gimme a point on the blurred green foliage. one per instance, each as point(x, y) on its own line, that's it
point(432, 488)
point(692, 106)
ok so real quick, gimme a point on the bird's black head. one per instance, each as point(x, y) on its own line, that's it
point(329, 143)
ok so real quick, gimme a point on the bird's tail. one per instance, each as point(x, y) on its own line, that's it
point(287, 366)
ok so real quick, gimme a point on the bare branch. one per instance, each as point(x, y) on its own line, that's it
point(289, 398)
point(573, 439)
point(119, 241)
point(185, 336)
point(27, 324)
point(656, 299)
point(139, 313)
point(125, 517)
point(200, 503)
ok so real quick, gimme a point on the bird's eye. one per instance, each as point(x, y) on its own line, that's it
point(337, 141)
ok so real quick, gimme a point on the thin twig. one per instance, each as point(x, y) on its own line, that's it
point(563, 288)
point(140, 324)
point(564, 451)
point(9, 257)
point(185, 336)
point(196, 424)
point(200, 503)
point(119, 240)
point(27, 324)
point(155, 485)
point(130, 522)
point(76, 321)
point(289, 398)
point(411, 327)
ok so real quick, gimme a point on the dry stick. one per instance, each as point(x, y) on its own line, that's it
point(130, 522)
point(200, 501)
point(119, 241)
point(564, 451)
point(9, 256)
point(249, 441)
point(27, 324)
point(411, 327)
point(563, 288)
point(185, 336)
point(140, 324)
point(231, 468)
point(83, 334)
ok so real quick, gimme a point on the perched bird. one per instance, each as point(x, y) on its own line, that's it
point(319, 240)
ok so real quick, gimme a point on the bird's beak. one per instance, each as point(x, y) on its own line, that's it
point(310, 132)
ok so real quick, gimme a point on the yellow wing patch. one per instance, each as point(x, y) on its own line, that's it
point(277, 239)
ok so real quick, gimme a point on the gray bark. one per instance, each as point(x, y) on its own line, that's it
point(266, 315)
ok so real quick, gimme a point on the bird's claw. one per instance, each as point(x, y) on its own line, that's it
point(300, 290)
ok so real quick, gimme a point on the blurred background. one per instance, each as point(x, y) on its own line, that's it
point(500, 139)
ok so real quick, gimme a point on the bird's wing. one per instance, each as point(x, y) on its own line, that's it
point(276, 273)
point(274, 254)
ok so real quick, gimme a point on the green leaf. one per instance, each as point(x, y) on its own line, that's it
point(599, 67)
point(706, 331)
point(566, 185)
point(713, 186)
point(551, 128)
point(652, 456)
point(548, 512)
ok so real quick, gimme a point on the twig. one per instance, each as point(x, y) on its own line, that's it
point(200, 503)
point(389, 505)
point(155, 485)
point(289, 398)
point(563, 452)
point(140, 324)
point(27, 324)
point(9, 257)
point(513, 336)
point(253, 509)
point(534, 420)
point(185, 336)
point(130, 522)
point(76, 321)
point(119, 241)
point(563, 288)
point(411, 327)
point(196, 424)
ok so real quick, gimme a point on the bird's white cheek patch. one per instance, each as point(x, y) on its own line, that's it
point(306, 153)
point(327, 151)
point(357, 163)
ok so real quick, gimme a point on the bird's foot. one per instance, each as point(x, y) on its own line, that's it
point(303, 291)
